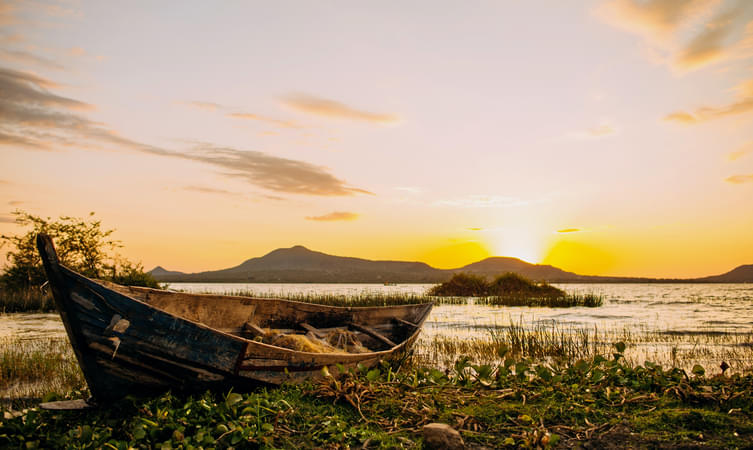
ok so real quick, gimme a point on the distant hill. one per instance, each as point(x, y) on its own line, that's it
point(742, 274)
point(301, 265)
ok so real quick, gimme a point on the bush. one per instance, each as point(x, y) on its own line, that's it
point(81, 245)
point(461, 285)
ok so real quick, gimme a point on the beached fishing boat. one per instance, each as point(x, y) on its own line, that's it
point(131, 340)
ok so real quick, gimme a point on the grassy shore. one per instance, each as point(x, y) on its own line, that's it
point(599, 402)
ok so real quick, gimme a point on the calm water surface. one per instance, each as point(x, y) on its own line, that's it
point(675, 308)
point(657, 309)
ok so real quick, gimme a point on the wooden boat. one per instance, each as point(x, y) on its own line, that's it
point(140, 340)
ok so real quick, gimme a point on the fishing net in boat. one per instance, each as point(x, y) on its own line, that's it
point(335, 341)
point(346, 340)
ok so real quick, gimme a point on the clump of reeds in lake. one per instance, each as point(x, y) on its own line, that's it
point(511, 289)
point(35, 367)
point(32, 299)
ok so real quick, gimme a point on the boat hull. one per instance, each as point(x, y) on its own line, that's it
point(127, 342)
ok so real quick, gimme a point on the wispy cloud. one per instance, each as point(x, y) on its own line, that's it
point(596, 132)
point(271, 172)
point(670, 28)
point(483, 201)
point(742, 105)
point(330, 108)
point(22, 57)
point(208, 190)
point(654, 19)
point(740, 179)
point(744, 150)
point(280, 123)
point(712, 44)
point(7, 219)
point(209, 106)
point(215, 107)
point(569, 230)
point(34, 117)
point(334, 217)
point(16, 202)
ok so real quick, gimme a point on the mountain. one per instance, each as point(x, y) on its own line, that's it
point(742, 274)
point(301, 265)
point(160, 271)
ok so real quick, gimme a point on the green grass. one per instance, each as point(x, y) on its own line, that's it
point(594, 402)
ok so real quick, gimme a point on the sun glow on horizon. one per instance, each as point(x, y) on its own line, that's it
point(522, 244)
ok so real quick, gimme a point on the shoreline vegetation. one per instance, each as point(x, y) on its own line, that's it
point(514, 401)
point(511, 289)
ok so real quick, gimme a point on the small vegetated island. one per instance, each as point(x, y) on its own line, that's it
point(511, 289)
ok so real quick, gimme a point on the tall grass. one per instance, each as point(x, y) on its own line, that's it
point(559, 344)
point(32, 368)
point(26, 300)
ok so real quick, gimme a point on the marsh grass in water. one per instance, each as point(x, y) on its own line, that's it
point(32, 299)
point(33, 368)
point(511, 289)
point(559, 344)
point(601, 401)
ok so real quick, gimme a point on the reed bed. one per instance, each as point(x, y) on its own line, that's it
point(589, 300)
point(33, 368)
point(564, 345)
point(26, 300)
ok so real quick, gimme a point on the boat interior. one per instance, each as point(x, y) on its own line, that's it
point(289, 324)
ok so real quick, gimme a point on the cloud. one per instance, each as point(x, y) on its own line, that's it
point(740, 179)
point(483, 201)
point(742, 105)
point(334, 216)
point(7, 219)
point(686, 34)
point(33, 117)
point(712, 43)
point(599, 131)
point(654, 19)
point(209, 106)
point(475, 229)
point(745, 149)
point(22, 57)
point(334, 109)
point(271, 172)
point(16, 202)
point(280, 123)
point(208, 190)
point(569, 230)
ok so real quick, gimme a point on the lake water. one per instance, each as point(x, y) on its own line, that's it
point(674, 315)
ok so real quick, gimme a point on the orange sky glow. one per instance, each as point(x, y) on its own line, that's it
point(606, 137)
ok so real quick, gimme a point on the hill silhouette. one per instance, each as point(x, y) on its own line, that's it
point(298, 264)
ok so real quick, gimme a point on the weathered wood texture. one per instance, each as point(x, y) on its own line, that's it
point(135, 340)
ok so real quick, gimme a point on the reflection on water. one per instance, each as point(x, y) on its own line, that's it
point(673, 315)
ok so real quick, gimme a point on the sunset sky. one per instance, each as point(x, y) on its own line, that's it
point(603, 137)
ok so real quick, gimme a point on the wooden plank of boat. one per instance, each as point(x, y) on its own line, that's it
point(67, 405)
point(373, 333)
point(405, 322)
